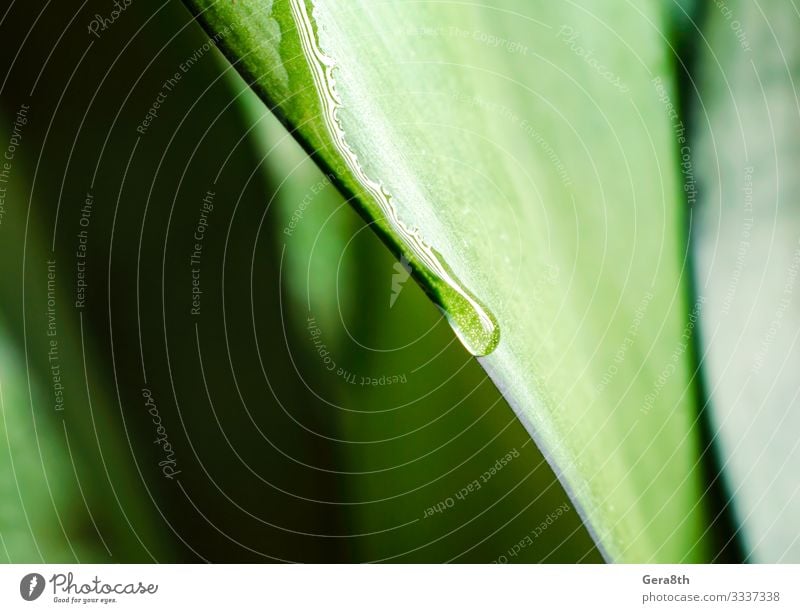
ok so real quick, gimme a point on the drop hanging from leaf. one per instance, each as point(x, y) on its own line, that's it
point(474, 325)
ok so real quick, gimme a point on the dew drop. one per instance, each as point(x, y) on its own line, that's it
point(474, 324)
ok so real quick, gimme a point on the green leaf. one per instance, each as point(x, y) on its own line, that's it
point(520, 158)
point(68, 490)
point(747, 247)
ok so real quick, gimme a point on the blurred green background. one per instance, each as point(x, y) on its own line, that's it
point(309, 404)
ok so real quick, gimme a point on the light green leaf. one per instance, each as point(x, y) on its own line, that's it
point(747, 246)
point(521, 157)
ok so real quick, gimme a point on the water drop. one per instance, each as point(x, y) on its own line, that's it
point(475, 325)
